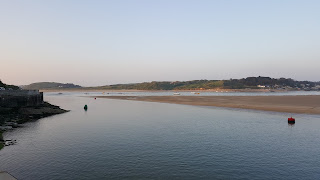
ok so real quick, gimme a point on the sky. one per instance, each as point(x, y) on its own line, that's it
point(93, 43)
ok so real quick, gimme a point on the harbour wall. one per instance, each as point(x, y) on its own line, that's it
point(20, 98)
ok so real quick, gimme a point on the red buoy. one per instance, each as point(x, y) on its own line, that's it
point(95, 98)
point(291, 120)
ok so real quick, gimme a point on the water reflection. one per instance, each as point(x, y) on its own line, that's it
point(144, 140)
point(291, 124)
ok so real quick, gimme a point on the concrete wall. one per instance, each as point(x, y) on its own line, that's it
point(20, 98)
point(19, 92)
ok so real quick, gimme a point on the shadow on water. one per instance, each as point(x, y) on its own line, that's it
point(291, 125)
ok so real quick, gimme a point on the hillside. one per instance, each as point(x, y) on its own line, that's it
point(6, 86)
point(249, 82)
point(50, 85)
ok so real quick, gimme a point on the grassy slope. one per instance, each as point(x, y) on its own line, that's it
point(50, 85)
point(249, 82)
point(8, 86)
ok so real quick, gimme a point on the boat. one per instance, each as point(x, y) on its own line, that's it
point(176, 93)
point(291, 120)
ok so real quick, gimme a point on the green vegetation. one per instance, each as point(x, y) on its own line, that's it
point(177, 85)
point(49, 85)
point(249, 82)
point(8, 86)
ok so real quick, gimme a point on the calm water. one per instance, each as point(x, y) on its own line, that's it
point(117, 139)
point(183, 93)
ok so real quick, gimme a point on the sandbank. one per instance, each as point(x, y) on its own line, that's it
point(305, 104)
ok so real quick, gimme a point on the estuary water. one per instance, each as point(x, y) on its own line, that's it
point(119, 139)
point(182, 93)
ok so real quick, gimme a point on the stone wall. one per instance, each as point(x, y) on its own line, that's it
point(19, 92)
point(20, 98)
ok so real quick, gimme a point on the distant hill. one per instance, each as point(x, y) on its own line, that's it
point(249, 82)
point(8, 86)
point(50, 85)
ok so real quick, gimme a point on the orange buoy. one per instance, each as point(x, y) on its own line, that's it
point(291, 120)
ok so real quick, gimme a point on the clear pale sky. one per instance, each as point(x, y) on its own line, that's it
point(121, 41)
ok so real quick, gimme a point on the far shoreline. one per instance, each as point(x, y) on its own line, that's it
point(186, 90)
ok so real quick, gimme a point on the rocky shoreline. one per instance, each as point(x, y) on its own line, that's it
point(11, 118)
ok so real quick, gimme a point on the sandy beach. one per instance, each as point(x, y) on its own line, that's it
point(291, 104)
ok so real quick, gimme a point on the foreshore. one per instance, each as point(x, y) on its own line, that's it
point(308, 104)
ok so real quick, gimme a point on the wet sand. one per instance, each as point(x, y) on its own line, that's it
point(290, 104)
